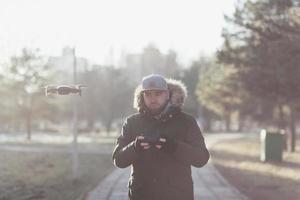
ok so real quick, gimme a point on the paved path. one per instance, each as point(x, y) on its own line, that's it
point(208, 182)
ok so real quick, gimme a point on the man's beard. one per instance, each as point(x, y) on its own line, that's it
point(157, 111)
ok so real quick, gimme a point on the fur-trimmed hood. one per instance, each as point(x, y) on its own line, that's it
point(178, 94)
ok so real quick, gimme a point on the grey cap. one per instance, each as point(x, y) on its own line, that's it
point(154, 82)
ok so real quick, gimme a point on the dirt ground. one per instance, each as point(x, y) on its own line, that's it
point(238, 161)
point(48, 175)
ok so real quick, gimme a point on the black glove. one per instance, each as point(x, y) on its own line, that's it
point(170, 145)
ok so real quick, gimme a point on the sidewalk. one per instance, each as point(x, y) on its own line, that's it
point(208, 182)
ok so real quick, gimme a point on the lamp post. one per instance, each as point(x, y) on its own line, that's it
point(66, 90)
point(75, 162)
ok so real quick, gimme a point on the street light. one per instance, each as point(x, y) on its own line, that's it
point(75, 162)
point(66, 90)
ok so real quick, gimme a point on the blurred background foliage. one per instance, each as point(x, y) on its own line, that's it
point(251, 82)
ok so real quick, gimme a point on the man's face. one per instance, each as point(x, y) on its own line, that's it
point(155, 99)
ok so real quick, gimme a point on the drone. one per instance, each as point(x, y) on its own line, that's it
point(63, 89)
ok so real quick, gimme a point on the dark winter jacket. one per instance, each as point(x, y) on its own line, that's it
point(156, 175)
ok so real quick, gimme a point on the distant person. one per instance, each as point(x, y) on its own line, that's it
point(160, 142)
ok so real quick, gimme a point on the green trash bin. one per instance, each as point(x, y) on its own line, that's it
point(272, 144)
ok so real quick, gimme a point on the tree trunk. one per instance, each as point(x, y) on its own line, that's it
point(292, 132)
point(108, 127)
point(227, 122)
point(28, 125)
point(281, 122)
point(90, 124)
point(28, 117)
point(241, 122)
point(208, 124)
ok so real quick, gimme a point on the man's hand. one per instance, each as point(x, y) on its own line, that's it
point(162, 140)
point(140, 145)
point(167, 144)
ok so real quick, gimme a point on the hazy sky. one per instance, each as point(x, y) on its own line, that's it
point(101, 29)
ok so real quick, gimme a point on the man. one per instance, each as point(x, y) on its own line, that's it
point(160, 142)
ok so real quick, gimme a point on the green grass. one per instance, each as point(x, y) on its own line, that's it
point(238, 161)
point(49, 175)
